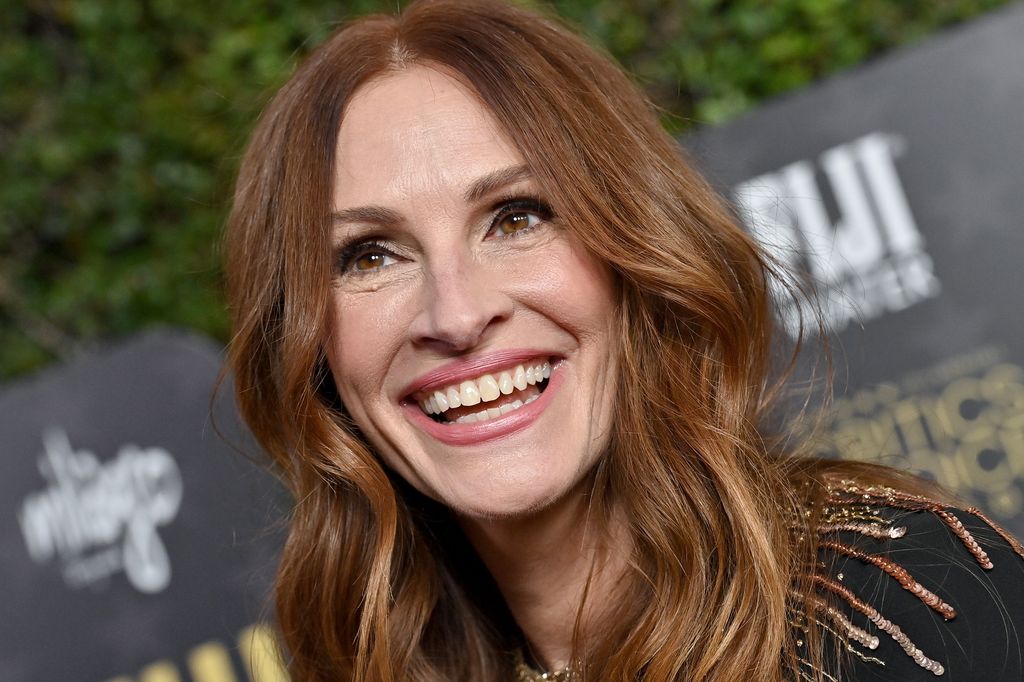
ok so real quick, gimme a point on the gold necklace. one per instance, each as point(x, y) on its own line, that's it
point(524, 673)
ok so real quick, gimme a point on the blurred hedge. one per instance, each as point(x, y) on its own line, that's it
point(121, 122)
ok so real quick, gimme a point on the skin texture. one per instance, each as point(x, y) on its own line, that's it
point(448, 285)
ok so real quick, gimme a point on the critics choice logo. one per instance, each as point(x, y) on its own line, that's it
point(867, 260)
point(97, 518)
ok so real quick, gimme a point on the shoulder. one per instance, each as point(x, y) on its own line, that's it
point(919, 589)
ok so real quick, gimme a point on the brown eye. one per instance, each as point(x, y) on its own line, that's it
point(519, 216)
point(364, 258)
point(370, 261)
point(514, 222)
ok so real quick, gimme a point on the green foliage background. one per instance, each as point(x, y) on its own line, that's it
point(121, 122)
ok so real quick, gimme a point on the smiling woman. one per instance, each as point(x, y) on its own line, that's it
point(511, 355)
point(473, 270)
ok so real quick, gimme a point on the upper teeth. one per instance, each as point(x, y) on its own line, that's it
point(485, 388)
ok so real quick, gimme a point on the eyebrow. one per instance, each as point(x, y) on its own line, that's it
point(366, 214)
point(496, 180)
point(480, 188)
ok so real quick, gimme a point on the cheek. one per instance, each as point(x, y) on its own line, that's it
point(364, 332)
point(592, 281)
point(578, 289)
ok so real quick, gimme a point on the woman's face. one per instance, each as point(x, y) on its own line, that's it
point(456, 293)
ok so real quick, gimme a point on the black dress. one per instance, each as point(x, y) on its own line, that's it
point(919, 591)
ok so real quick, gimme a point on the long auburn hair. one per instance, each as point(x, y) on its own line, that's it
point(367, 589)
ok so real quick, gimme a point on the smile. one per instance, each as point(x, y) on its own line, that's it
point(488, 396)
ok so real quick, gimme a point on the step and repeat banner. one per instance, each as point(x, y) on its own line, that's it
point(139, 530)
point(899, 189)
point(138, 534)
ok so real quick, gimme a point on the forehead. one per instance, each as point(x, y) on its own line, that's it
point(415, 129)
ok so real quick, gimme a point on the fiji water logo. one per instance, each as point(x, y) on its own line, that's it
point(864, 251)
point(97, 518)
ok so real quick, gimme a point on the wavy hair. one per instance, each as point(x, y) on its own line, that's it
point(367, 588)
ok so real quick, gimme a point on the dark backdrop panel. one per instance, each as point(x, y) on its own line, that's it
point(900, 188)
point(136, 543)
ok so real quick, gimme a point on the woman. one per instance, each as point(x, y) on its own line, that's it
point(511, 355)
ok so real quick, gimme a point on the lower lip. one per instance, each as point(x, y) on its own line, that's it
point(480, 432)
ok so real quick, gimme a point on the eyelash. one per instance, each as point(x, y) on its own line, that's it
point(503, 208)
point(347, 255)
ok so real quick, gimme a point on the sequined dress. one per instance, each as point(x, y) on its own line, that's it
point(906, 590)
point(912, 590)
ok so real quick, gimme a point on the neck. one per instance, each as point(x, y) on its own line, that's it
point(541, 564)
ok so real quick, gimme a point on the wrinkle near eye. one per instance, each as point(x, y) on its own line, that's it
point(396, 278)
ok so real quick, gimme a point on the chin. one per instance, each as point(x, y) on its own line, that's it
point(505, 510)
point(516, 499)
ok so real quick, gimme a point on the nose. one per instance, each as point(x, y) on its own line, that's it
point(461, 303)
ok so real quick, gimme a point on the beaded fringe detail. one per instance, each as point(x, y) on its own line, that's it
point(853, 508)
